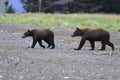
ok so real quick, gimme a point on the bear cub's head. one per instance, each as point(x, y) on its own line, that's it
point(77, 32)
point(27, 33)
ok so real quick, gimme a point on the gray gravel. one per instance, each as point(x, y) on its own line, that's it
point(18, 62)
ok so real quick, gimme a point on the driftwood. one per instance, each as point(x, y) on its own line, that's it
point(105, 53)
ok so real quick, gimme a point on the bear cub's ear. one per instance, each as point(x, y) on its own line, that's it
point(27, 30)
point(77, 29)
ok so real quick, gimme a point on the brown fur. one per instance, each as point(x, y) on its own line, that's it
point(93, 35)
point(40, 34)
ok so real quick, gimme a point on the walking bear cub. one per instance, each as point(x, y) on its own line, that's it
point(40, 34)
point(93, 35)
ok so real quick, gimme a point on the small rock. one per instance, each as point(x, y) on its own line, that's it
point(1, 76)
point(32, 62)
point(66, 77)
point(16, 64)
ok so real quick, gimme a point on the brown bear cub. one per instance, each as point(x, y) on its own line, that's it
point(40, 34)
point(93, 35)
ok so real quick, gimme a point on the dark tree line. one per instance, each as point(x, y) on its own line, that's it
point(31, 5)
point(36, 5)
point(76, 6)
point(9, 9)
point(93, 6)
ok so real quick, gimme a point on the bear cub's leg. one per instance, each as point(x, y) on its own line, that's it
point(103, 45)
point(34, 43)
point(50, 43)
point(53, 45)
point(92, 45)
point(111, 45)
point(40, 43)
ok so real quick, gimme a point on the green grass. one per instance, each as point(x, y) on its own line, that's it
point(107, 21)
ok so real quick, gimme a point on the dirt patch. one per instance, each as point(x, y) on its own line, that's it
point(17, 62)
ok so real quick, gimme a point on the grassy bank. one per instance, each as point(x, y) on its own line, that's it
point(111, 22)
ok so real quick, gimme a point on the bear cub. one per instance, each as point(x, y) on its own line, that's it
point(40, 34)
point(93, 35)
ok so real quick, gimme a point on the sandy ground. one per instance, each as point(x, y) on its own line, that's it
point(18, 62)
